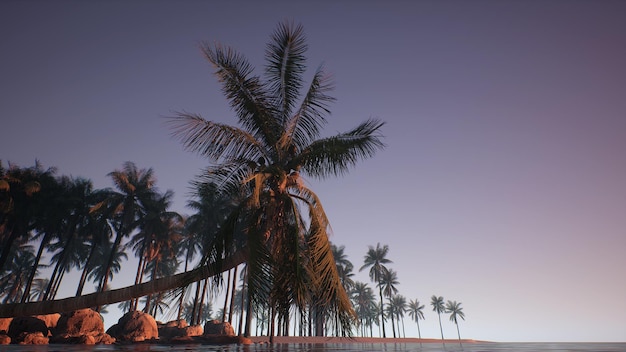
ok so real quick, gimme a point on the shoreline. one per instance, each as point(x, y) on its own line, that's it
point(360, 340)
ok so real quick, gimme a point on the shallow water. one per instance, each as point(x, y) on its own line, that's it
point(330, 347)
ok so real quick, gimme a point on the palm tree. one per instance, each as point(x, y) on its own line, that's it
point(13, 280)
point(388, 281)
point(135, 187)
point(456, 311)
point(375, 259)
point(438, 306)
point(19, 188)
point(416, 313)
point(264, 161)
point(344, 266)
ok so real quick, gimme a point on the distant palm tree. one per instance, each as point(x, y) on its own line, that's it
point(456, 311)
point(389, 280)
point(134, 186)
point(375, 259)
point(363, 300)
point(13, 279)
point(438, 306)
point(416, 312)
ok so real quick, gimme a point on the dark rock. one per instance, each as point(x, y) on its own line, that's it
point(178, 328)
point(25, 325)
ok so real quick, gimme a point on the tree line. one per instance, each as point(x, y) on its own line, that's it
point(251, 206)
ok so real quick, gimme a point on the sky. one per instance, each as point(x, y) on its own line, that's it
point(503, 182)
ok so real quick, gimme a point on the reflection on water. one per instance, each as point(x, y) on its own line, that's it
point(353, 347)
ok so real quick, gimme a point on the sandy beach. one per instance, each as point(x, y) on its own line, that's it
point(340, 340)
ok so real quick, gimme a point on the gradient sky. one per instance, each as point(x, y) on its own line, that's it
point(503, 185)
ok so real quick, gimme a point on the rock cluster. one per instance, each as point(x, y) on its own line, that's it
point(86, 326)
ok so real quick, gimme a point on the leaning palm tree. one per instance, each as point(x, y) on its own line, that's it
point(416, 312)
point(289, 256)
point(456, 311)
point(375, 259)
point(438, 306)
point(287, 253)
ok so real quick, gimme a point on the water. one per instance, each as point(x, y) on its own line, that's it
point(330, 347)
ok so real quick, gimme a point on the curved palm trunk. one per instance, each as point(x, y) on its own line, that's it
point(458, 333)
point(44, 243)
point(122, 294)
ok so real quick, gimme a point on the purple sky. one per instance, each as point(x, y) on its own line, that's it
point(503, 185)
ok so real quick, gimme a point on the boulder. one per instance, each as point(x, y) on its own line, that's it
point(32, 338)
point(80, 322)
point(50, 320)
point(4, 339)
point(178, 328)
point(83, 326)
point(21, 326)
point(134, 327)
point(4, 324)
point(215, 327)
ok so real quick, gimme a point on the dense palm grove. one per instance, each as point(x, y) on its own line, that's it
point(251, 206)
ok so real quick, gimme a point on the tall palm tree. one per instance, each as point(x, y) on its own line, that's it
point(375, 259)
point(416, 311)
point(456, 311)
point(265, 160)
point(344, 266)
point(438, 306)
point(134, 186)
point(389, 281)
point(13, 280)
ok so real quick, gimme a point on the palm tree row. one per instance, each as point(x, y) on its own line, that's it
point(90, 231)
point(370, 312)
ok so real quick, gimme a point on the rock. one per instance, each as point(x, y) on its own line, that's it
point(32, 338)
point(21, 326)
point(4, 324)
point(134, 327)
point(178, 328)
point(50, 320)
point(4, 339)
point(214, 327)
point(82, 322)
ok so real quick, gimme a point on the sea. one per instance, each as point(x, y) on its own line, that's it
point(329, 347)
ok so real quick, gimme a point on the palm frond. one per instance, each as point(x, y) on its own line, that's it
point(335, 155)
point(218, 142)
point(285, 66)
point(304, 126)
point(245, 93)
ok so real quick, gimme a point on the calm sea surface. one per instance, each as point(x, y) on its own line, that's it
point(355, 347)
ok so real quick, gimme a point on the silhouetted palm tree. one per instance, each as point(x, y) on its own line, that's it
point(375, 259)
point(389, 280)
point(135, 187)
point(13, 279)
point(19, 188)
point(416, 313)
point(438, 306)
point(264, 160)
point(456, 311)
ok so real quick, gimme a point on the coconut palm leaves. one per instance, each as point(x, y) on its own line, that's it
point(261, 164)
point(456, 311)
point(416, 312)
